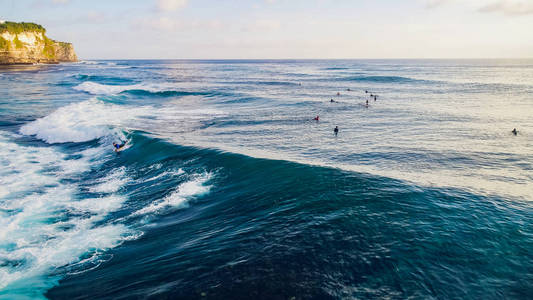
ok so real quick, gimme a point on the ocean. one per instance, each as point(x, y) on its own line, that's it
point(229, 189)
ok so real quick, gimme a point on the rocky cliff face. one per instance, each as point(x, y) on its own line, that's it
point(27, 43)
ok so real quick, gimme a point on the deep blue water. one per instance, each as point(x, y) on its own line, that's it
point(228, 189)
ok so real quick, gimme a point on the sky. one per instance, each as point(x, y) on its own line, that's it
point(283, 29)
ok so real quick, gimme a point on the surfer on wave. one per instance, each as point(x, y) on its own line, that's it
point(118, 146)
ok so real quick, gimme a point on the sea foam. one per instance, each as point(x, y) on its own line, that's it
point(81, 122)
point(179, 197)
point(43, 223)
point(105, 89)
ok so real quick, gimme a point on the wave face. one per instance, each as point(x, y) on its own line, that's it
point(227, 188)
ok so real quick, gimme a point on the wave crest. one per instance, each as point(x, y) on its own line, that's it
point(139, 89)
point(81, 122)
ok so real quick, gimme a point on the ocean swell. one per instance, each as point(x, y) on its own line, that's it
point(382, 79)
point(139, 89)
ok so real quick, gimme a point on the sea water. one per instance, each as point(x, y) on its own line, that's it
point(230, 189)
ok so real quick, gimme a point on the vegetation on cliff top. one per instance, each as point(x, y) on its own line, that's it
point(4, 44)
point(16, 28)
point(44, 49)
point(48, 49)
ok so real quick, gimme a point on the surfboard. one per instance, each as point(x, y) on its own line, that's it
point(120, 149)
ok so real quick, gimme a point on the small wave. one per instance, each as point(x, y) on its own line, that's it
point(102, 78)
point(112, 182)
point(179, 198)
point(335, 68)
point(89, 62)
point(383, 79)
point(141, 92)
point(102, 89)
point(136, 89)
point(167, 173)
point(265, 82)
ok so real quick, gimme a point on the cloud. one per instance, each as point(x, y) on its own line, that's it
point(170, 5)
point(167, 24)
point(509, 7)
point(506, 7)
point(435, 3)
point(263, 25)
point(161, 24)
point(95, 17)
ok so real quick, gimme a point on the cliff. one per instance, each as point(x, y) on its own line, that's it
point(27, 43)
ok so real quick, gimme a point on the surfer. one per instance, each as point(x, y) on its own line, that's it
point(514, 131)
point(338, 94)
point(348, 89)
point(118, 146)
point(375, 97)
point(317, 118)
point(336, 130)
point(366, 102)
point(331, 100)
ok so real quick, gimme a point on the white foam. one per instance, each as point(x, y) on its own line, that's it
point(179, 198)
point(36, 236)
point(82, 122)
point(98, 205)
point(96, 119)
point(112, 182)
point(105, 89)
point(167, 173)
point(23, 169)
point(89, 62)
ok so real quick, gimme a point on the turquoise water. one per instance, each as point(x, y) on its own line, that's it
point(229, 189)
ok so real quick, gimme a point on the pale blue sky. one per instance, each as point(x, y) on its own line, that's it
point(114, 29)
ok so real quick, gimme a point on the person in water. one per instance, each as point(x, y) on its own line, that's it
point(514, 131)
point(317, 118)
point(338, 94)
point(366, 102)
point(331, 100)
point(336, 130)
point(375, 97)
point(118, 146)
